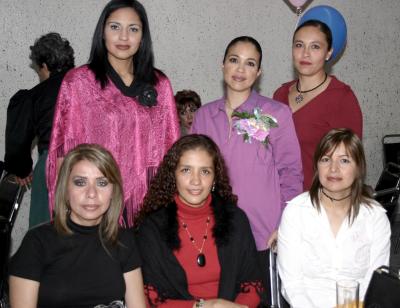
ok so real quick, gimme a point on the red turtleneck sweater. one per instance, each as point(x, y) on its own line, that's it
point(202, 282)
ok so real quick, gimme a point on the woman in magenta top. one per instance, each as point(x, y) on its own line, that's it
point(119, 100)
point(319, 101)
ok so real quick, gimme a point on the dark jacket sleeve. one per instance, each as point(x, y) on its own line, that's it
point(19, 134)
point(161, 271)
point(242, 261)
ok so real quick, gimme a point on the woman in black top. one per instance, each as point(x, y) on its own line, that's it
point(30, 115)
point(82, 259)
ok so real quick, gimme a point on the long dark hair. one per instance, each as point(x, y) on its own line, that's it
point(163, 186)
point(359, 191)
point(143, 60)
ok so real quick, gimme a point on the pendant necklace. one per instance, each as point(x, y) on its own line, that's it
point(299, 98)
point(201, 258)
point(333, 199)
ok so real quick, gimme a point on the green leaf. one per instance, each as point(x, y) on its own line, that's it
point(242, 115)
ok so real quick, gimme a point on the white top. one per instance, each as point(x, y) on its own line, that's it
point(311, 259)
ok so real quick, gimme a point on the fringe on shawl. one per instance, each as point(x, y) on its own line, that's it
point(52, 170)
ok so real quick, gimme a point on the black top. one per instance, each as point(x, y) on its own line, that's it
point(29, 115)
point(75, 271)
point(237, 254)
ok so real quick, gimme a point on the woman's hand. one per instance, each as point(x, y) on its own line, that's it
point(24, 181)
point(134, 294)
point(273, 239)
point(23, 292)
point(221, 303)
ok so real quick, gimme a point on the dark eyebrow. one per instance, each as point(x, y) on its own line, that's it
point(118, 23)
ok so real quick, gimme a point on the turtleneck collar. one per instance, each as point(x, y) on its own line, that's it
point(81, 229)
point(187, 212)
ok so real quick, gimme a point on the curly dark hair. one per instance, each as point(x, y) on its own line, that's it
point(54, 51)
point(163, 186)
point(187, 97)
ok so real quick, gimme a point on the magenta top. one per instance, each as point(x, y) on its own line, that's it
point(264, 178)
point(336, 107)
point(136, 135)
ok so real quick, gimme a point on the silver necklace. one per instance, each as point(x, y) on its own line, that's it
point(299, 98)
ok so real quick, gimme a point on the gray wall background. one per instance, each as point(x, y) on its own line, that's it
point(190, 36)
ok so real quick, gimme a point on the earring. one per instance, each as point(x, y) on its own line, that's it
point(213, 187)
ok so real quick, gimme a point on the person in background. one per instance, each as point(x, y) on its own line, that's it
point(335, 231)
point(82, 258)
point(196, 244)
point(187, 103)
point(118, 100)
point(30, 115)
point(319, 101)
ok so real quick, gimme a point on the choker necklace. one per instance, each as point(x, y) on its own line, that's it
point(201, 258)
point(333, 199)
point(299, 98)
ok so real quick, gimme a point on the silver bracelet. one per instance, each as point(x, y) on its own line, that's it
point(200, 303)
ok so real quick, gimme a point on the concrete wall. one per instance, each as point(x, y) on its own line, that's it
point(189, 39)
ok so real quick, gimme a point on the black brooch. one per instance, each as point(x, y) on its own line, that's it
point(147, 95)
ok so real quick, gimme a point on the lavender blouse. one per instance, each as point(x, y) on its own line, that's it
point(264, 178)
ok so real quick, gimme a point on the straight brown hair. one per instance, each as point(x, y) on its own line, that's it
point(354, 148)
point(104, 161)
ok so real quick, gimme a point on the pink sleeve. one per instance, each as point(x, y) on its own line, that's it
point(170, 119)
point(62, 119)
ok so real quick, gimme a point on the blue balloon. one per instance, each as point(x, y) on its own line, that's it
point(334, 20)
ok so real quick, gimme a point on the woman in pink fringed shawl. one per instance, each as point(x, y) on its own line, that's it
point(118, 100)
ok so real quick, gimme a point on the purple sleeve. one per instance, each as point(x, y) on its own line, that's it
point(195, 129)
point(286, 151)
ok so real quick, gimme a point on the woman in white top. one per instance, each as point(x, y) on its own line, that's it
point(335, 231)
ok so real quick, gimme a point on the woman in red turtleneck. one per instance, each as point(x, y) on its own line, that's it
point(196, 244)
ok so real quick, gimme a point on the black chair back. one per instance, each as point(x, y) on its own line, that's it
point(387, 189)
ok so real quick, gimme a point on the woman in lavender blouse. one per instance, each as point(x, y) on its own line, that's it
point(257, 138)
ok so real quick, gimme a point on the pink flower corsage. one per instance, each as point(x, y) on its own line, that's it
point(254, 125)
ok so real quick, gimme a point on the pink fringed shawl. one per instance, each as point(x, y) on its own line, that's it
point(137, 136)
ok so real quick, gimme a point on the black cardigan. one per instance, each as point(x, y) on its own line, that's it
point(29, 115)
point(237, 254)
